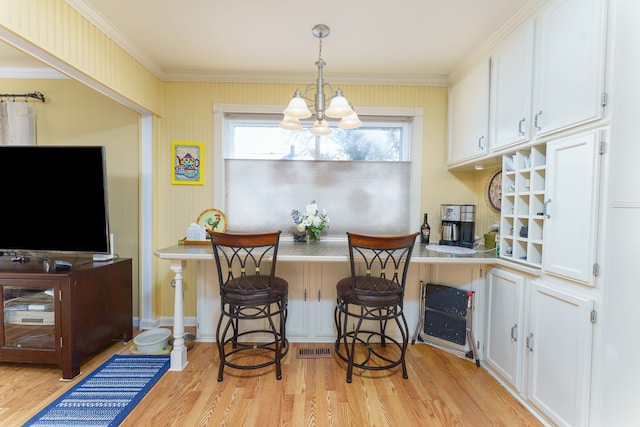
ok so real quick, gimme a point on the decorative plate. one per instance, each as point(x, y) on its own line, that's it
point(213, 219)
point(493, 192)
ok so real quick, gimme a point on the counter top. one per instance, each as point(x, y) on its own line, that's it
point(328, 251)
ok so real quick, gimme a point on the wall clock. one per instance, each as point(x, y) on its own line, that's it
point(493, 192)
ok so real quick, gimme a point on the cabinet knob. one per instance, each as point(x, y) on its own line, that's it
point(545, 209)
point(520, 123)
point(536, 121)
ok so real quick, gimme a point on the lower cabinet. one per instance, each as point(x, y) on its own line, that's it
point(538, 341)
point(505, 325)
point(312, 298)
point(558, 354)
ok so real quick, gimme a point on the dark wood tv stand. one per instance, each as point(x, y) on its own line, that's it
point(61, 317)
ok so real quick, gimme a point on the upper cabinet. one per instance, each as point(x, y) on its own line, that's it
point(569, 65)
point(571, 200)
point(469, 116)
point(511, 89)
point(547, 76)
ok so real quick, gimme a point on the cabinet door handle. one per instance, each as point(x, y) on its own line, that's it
point(480, 142)
point(305, 295)
point(536, 120)
point(520, 123)
point(514, 332)
point(318, 295)
point(545, 209)
point(530, 342)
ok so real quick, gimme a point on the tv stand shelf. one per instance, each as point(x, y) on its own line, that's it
point(61, 317)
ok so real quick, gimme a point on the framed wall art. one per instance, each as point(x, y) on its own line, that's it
point(186, 163)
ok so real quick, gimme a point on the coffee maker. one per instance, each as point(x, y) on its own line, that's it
point(458, 225)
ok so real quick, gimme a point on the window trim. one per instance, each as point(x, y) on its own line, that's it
point(415, 155)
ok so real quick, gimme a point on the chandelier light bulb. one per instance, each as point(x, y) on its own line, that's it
point(339, 107)
point(291, 123)
point(321, 128)
point(297, 107)
point(351, 121)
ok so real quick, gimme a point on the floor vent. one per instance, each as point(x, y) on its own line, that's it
point(310, 353)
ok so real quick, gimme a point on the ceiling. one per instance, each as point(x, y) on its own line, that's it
point(375, 41)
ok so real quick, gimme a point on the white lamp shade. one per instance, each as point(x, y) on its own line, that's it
point(321, 128)
point(290, 123)
point(351, 121)
point(339, 107)
point(297, 108)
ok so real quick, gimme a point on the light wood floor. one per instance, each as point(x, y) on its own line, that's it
point(442, 390)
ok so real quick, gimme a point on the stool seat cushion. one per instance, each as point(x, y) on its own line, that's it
point(248, 290)
point(345, 291)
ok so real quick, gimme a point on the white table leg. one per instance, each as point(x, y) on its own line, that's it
point(179, 352)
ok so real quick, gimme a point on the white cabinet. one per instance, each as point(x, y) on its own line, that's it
point(550, 206)
point(570, 226)
point(569, 64)
point(559, 339)
point(548, 75)
point(312, 298)
point(538, 341)
point(505, 325)
point(523, 204)
point(469, 116)
point(511, 89)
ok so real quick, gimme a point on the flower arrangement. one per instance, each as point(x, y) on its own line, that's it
point(312, 221)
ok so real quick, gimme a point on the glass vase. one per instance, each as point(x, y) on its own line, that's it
point(311, 237)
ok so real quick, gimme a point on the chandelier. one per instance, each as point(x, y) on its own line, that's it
point(339, 107)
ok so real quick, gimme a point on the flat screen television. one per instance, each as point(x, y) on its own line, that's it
point(54, 199)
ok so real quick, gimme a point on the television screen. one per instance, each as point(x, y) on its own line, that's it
point(54, 199)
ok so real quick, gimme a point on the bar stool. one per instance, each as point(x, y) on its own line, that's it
point(250, 293)
point(374, 293)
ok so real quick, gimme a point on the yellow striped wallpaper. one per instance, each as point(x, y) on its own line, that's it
point(60, 30)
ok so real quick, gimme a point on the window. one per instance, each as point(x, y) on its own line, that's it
point(367, 178)
point(261, 138)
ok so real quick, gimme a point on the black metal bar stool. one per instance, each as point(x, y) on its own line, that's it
point(371, 297)
point(250, 294)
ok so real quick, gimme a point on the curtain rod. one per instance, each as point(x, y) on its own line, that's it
point(36, 95)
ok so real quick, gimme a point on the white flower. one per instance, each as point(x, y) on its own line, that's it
point(312, 220)
point(312, 209)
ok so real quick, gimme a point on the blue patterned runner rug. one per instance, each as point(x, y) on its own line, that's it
point(107, 395)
